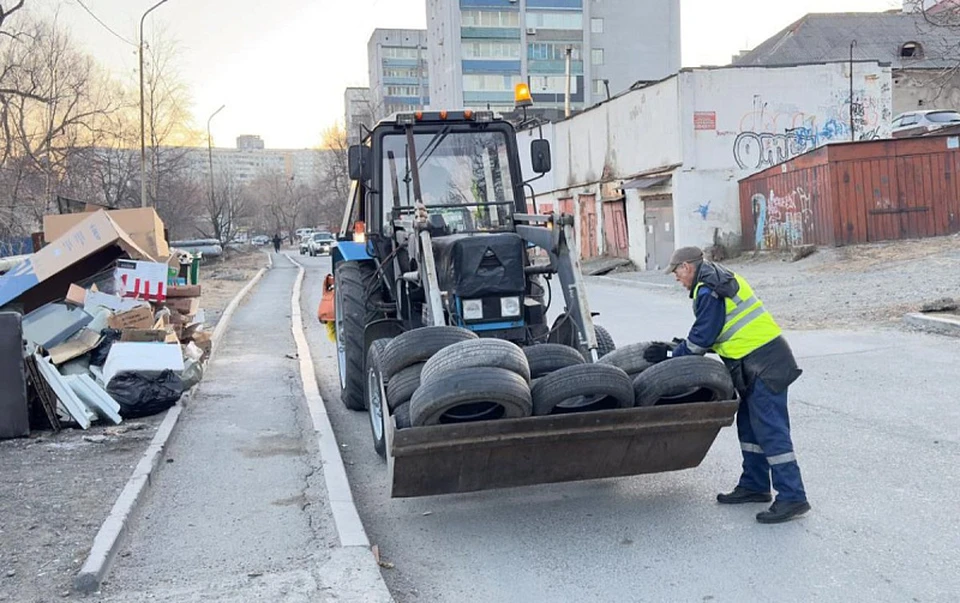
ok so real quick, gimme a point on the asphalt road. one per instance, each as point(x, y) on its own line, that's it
point(877, 433)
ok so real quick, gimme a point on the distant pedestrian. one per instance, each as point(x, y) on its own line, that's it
point(732, 322)
point(276, 243)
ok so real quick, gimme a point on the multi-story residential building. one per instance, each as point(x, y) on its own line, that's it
point(480, 49)
point(359, 111)
point(246, 165)
point(248, 142)
point(399, 74)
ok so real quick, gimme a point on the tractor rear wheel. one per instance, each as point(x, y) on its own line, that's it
point(355, 309)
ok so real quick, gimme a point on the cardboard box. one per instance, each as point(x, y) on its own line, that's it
point(138, 318)
point(141, 280)
point(79, 254)
point(76, 295)
point(143, 225)
point(183, 291)
point(187, 306)
point(143, 335)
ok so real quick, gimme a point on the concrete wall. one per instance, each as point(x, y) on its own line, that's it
point(710, 128)
point(922, 89)
point(739, 121)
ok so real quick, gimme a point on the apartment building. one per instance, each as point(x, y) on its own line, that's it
point(480, 49)
point(399, 72)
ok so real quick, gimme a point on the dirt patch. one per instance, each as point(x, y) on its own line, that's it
point(56, 489)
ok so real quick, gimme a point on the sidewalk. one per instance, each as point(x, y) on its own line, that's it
point(239, 510)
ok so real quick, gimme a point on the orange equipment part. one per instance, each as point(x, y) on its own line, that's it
point(327, 312)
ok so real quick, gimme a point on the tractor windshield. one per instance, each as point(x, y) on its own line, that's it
point(465, 178)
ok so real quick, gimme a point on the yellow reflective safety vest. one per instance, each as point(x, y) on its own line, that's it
point(748, 325)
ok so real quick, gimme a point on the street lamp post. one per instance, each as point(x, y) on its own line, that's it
point(143, 136)
point(210, 159)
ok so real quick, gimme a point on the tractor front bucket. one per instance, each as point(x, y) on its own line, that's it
point(468, 457)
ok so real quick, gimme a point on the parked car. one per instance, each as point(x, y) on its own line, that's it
point(303, 232)
point(321, 243)
point(260, 240)
point(917, 123)
point(305, 244)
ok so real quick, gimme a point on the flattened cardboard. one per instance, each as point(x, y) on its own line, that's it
point(143, 225)
point(138, 318)
point(183, 291)
point(143, 335)
point(79, 254)
point(78, 345)
point(95, 299)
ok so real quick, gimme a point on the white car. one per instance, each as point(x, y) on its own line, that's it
point(321, 243)
point(918, 123)
point(260, 240)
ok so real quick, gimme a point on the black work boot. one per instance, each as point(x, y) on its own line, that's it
point(781, 511)
point(742, 495)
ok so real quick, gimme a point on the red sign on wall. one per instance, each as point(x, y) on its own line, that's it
point(705, 120)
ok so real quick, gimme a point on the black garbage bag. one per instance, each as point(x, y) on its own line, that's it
point(99, 354)
point(145, 394)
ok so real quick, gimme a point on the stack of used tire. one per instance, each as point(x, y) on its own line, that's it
point(441, 375)
point(679, 381)
point(438, 375)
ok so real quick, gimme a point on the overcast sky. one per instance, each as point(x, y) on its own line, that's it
point(281, 66)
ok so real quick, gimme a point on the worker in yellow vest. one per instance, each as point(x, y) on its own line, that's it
point(732, 322)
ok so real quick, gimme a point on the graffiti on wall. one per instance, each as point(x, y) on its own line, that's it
point(782, 221)
point(771, 135)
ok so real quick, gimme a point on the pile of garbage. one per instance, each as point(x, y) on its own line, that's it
point(103, 323)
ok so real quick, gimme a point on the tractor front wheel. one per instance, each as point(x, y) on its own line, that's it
point(355, 309)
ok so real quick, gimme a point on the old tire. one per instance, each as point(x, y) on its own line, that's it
point(401, 386)
point(605, 344)
point(629, 358)
point(471, 394)
point(545, 358)
point(475, 353)
point(582, 388)
point(374, 390)
point(354, 310)
point(401, 416)
point(683, 380)
point(419, 345)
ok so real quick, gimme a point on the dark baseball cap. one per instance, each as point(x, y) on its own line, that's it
point(682, 255)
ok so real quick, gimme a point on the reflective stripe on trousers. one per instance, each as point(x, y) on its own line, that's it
point(763, 425)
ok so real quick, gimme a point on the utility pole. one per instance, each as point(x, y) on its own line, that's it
point(213, 199)
point(852, 126)
point(566, 101)
point(143, 136)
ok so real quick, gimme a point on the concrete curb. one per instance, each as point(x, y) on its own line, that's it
point(346, 518)
point(934, 324)
point(110, 536)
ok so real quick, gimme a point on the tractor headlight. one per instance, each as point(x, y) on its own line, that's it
point(472, 309)
point(509, 306)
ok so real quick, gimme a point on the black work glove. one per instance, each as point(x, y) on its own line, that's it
point(657, 351)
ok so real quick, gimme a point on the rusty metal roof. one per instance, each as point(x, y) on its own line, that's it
point(826, 37)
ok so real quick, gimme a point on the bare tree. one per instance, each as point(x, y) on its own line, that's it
point(334, 181)
point(227, 209)
point(167, 104)
point(62, 102)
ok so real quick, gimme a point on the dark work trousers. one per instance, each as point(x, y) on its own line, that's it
point(763, 425)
